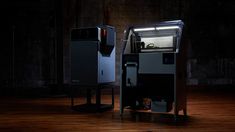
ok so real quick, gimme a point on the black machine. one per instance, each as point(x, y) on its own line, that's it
point(150, 74)
point(92, 63)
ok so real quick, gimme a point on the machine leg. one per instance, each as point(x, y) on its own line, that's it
point(72, 101)
point(185, 112)
point(176, 113)
point(121, 109)
point(98, 97)
point(121, 112)
point(112, 97)
point(72, 96)
point(88, 96)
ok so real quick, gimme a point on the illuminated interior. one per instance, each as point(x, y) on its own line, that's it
point(154, 39)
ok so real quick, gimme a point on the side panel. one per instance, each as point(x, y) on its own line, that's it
point(84, 62)
point(106, 68)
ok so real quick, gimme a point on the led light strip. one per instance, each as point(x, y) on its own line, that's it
point(144, 29)
point(167, 27)
point(157, 28)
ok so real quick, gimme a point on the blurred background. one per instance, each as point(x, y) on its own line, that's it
point(35, 38)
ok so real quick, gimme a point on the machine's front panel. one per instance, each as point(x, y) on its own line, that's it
point(84, 62)
point(156, 63)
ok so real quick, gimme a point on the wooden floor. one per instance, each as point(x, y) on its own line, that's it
point(208, 110)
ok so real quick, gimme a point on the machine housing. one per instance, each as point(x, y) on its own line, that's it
point(93, 55)
point(150, 68)
point(92, 64)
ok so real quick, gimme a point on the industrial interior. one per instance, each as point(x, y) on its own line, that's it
point(105, 65)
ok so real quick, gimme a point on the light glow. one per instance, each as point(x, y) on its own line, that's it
point(144, 29)
point(167, 27)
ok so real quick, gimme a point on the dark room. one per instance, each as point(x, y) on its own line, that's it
point(117, 65)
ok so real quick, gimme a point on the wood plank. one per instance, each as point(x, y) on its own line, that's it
point(207, 110)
